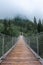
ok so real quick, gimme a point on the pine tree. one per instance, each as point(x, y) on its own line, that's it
point(39, 26)
point(35, 25)
point(5, 26)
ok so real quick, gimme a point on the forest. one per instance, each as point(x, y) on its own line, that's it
point(18, 25)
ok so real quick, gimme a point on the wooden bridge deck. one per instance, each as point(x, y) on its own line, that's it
point(21, 55)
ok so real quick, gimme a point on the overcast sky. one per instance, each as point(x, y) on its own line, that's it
point(27, 8)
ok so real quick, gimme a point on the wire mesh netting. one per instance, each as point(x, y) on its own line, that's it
point(6, 42)
point(1, 45)
point(36, 43)
point(40, 41)
point(33, 43)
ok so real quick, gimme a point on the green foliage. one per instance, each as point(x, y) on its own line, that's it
point(5, 27)
point(17, 25)
point(39, 26)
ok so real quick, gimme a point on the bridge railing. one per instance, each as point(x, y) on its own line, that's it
point(36, 43)
point(6, 42)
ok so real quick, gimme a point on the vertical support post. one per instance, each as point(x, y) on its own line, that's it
point(3, 46)
point(12, 41)
point(29, 42)
point(26, 40)
point(37, 46)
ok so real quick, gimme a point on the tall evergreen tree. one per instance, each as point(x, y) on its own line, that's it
point(35, 25)
point(39, 26)
point(5, 26)
point(35, 22)
point(9, 28)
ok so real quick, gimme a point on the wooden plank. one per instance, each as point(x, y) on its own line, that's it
point(21, 55)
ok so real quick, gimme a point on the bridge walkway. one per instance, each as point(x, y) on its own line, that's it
point(21, 55)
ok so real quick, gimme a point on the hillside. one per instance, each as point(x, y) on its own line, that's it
point(17, 25)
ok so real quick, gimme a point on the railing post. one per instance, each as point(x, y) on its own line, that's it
point(3, 46)
point(37, 46)
point(12, 41)
point(29, 42)
point(26, 40)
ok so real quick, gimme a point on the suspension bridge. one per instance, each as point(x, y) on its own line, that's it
point(20, 54)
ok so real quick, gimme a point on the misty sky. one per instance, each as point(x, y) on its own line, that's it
point(25, 8)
